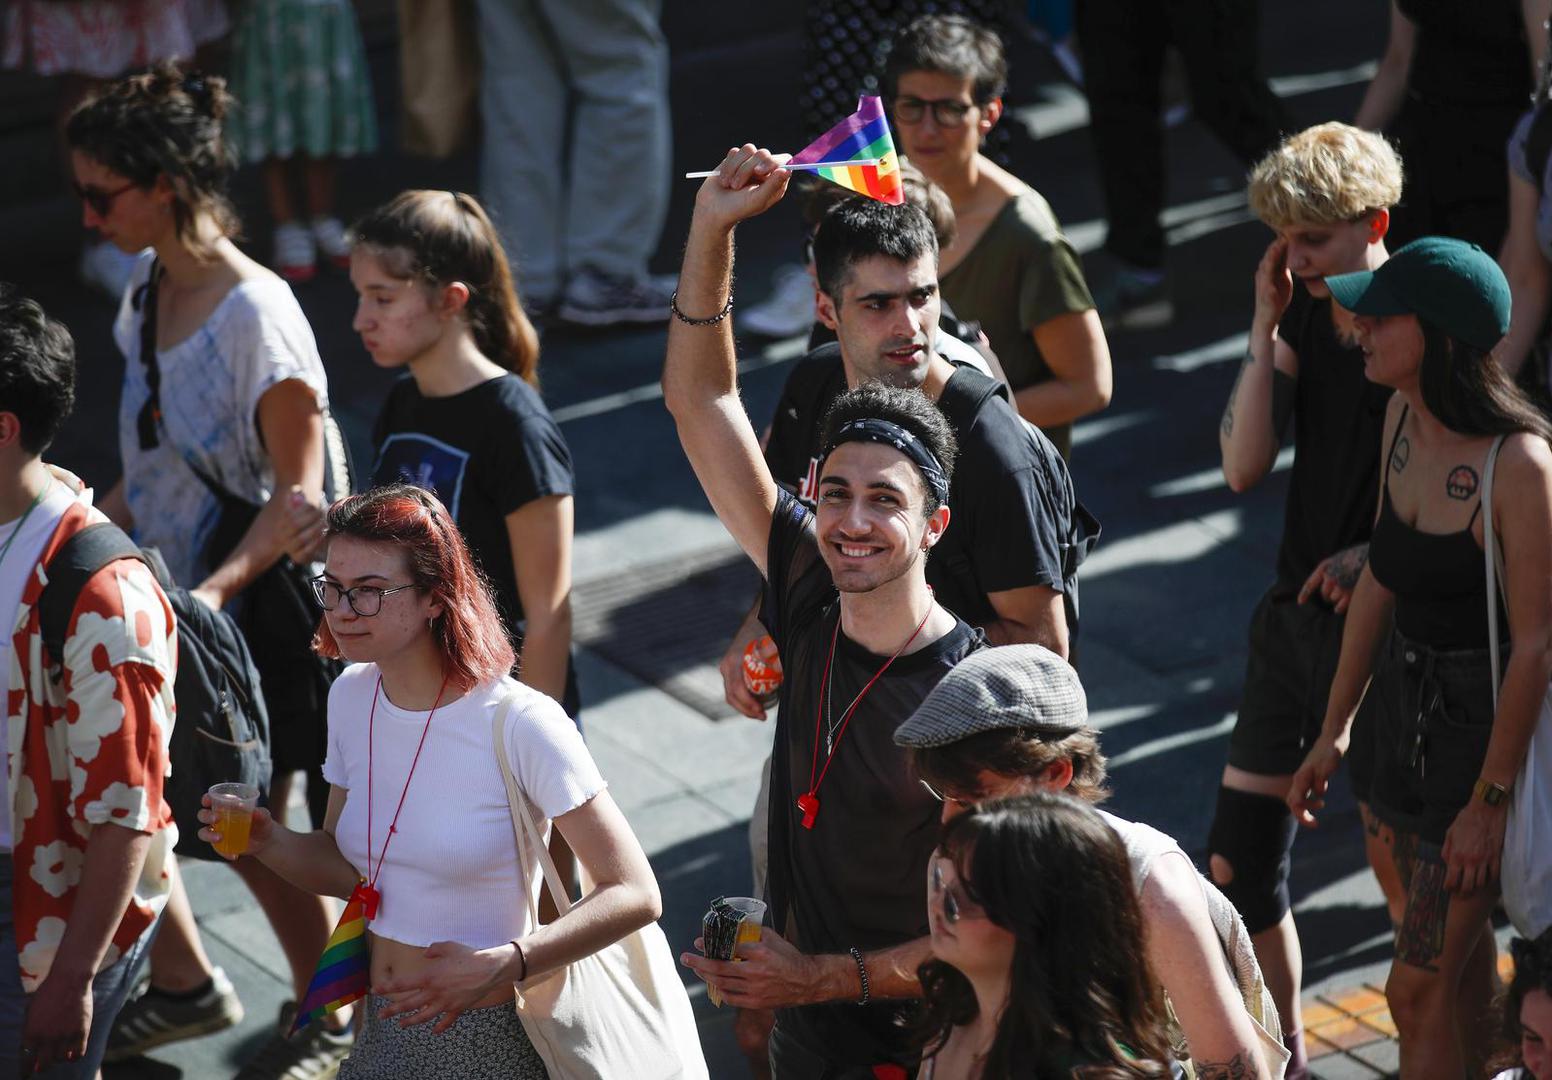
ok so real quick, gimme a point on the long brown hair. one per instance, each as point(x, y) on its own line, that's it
point(1082, 1001)
point(165, 122)
point(445, 236)
point(469, 632)
point(1470, 393)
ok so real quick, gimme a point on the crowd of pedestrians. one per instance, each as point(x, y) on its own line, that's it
point(944, 896)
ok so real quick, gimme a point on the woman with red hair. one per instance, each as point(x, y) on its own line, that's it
point(418, 823)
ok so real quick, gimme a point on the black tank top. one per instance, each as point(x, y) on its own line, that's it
point(1439, 580)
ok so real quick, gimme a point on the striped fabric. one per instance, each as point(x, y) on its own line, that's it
point(863, 135)
point(342, 973)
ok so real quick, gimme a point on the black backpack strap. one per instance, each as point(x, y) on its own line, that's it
point(965, 392)
point(148, 425)
point(72, 566)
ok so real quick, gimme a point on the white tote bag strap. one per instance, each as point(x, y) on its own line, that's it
point(1493, 558)
point(523, 828)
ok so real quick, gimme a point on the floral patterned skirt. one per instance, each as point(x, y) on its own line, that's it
point(300, 78)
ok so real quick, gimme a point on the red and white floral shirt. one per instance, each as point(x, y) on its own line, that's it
point(88, 747)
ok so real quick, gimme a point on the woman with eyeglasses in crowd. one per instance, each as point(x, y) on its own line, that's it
point(229, 391)
point(1039, 965)
point(419, 826)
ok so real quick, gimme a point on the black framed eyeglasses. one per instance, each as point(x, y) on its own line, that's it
point(946, 112)
point(99, 200)
point(364, 600)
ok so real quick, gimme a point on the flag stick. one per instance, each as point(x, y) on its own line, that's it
point(808, 166)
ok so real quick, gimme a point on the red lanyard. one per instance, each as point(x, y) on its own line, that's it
point(808, 802)
point(366, 890)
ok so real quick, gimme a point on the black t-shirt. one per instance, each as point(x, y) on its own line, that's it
point(1468, 53)
point(1013, 518)
point(485, 453)
point(858, 877)
point(1338, 420)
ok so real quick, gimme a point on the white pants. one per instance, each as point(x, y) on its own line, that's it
point(577, 142)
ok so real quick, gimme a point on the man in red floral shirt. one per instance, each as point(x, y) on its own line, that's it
point(85, 835)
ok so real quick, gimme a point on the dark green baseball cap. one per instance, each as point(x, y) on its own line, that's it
point(1454, 285)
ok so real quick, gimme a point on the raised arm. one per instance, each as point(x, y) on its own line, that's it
point(700, 375)
point(1261, 402)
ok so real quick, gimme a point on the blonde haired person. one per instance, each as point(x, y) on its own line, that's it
point(1326, 193)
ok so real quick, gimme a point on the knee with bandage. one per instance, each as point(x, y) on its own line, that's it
point(1250, 848)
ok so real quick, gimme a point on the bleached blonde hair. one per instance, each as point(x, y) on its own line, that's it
point(1325, 175)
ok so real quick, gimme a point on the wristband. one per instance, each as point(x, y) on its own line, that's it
point(523, 974)
point(862, 974)
point(673, 306)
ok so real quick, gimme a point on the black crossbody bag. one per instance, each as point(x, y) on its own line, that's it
point(277, 612)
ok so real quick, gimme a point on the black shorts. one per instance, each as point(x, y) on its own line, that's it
point(1293, 655)
point(1432, 721)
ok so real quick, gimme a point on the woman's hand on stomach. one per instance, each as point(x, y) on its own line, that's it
point(440, 981)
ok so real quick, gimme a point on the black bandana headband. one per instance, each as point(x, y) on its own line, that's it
point(869, 429)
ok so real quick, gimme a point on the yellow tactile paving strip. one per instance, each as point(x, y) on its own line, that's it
point(1349, 1033)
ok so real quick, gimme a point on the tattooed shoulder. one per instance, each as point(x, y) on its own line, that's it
point(1233, 1069)
point(1400, 454)
point(1461, 483)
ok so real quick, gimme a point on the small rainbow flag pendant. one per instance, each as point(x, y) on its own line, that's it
point(344, 968)
point(862, 136)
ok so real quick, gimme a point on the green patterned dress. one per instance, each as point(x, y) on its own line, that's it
point(299, 74)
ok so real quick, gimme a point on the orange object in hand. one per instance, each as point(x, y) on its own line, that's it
point(762, 668)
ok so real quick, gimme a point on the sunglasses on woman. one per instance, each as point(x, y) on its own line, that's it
point(952, 912)
point(99, 200)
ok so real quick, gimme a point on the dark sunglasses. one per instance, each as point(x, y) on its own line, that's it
point(952, 912)
point(99, 200)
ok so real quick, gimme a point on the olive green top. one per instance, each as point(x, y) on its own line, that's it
point(1020, 273)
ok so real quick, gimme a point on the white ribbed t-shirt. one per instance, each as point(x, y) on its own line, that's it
point(451, 872)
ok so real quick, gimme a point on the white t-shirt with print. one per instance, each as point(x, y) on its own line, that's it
point(211, 383)
point(16, 568)
point(451, 872)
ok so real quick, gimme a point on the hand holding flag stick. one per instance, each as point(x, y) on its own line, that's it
point(858, 154)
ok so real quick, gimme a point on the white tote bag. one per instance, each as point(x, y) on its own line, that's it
point(1527, 854)
point(621, 1012)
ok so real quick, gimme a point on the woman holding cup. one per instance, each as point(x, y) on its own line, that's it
point(418, 825)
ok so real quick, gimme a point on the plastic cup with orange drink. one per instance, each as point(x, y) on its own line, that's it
point(233, 805)
point(732, 921)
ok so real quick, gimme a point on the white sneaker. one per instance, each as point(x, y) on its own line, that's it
point(787, 312)
point(296, 253)
point(105, 267)
point(333, 243)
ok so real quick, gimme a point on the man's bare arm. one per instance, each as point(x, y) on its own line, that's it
point(700, 380)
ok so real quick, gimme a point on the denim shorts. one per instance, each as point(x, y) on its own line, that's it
point(1293, 653)
point(1433, 718)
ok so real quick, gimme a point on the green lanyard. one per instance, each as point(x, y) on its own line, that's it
point(36, 499)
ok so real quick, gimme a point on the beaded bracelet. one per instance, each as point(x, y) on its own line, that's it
point(862, 973)
point(673, 306)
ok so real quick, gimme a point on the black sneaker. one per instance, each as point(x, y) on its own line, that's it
point(594, 299)
point(1134, 300)
point(154, 1019)
point(314, 1053)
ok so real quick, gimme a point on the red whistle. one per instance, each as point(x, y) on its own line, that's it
point(369, 898)
point(808, 803)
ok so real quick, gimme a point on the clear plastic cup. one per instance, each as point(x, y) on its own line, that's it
point(751, 915)
point(233, 805)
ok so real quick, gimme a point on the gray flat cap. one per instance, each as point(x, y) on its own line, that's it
point(1011, 686)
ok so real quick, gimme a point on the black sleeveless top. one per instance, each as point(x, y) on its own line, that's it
point(1439, 579)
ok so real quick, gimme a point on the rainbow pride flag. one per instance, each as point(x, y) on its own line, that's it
point(861, 136)
point(343, 970)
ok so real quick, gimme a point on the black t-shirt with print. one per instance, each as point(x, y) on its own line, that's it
point(1013, 518)
point(485, 453)
point(1338, 420)
point(858, 877)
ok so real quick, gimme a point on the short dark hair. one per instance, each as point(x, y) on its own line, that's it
point(951, 45)
point(857, 229)
point(910, 409)
point(956, 768)
point(37, 370)
point(820, 197)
